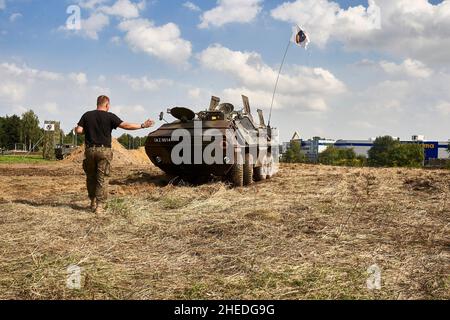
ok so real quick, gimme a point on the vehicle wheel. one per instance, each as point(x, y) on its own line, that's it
point(269, 167)
point(248, 170)
point(260, 172)
point(237, 175)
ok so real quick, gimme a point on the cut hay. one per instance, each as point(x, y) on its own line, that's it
point(311, 232)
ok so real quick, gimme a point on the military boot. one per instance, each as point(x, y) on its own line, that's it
point(93, 205)
point(100, 211)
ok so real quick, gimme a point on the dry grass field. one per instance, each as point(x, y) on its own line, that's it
point(311, 232)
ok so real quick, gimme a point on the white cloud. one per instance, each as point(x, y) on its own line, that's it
point(409, 67)
point(91, 4)
point(116, 40)
point(93, 25)
point(79, 78)
point(128, 111)
point(90, 27)
point(231, 11)
point(324, 19)
point(52, 108)
point(15, 16)
point(46, 92)
point(262, 99)
point(12, 91)
point(416, 29)
point(359, 124)
point(124, 8)
point(144, 83)
point(191, 6)
point(163, 42)
point(194, 93)
point(12, 69)
point(2, 4)
point(443, 107)
point(300, 87)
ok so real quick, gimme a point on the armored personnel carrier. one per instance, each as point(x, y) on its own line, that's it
point(218, 142)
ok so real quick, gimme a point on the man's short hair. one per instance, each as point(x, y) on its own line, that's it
point(102, 100)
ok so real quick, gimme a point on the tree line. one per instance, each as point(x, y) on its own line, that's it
point(24, 130)
point(131, 143)
point(386, 152)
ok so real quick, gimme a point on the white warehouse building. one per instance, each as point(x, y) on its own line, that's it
point(313, 147)
point(433, 149)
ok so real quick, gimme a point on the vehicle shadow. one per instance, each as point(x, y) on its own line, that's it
point(161, 180)
point(142, 178)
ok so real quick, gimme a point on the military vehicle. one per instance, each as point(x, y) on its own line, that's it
point(246, 151)
point(62, 151)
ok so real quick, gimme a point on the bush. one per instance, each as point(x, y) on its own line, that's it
point(387, 152)
point(341, 157)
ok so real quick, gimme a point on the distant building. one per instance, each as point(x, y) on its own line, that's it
point(433, 149)
point(313, 147)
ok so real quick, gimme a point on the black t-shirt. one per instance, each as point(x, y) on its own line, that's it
point(98, 126)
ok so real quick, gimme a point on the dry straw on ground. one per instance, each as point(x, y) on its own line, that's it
point(309, 233)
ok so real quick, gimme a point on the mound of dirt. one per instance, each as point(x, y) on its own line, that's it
point(140, 154)
point(122, 156)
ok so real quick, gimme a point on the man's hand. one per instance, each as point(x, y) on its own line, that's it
point(134, 126)
point(78, 130)
point(148, 124)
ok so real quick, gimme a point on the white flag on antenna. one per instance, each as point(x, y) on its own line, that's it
point(299, 37)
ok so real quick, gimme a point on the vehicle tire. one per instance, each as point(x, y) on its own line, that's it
point(237, 175)
point(248, 170)
point(260, 172)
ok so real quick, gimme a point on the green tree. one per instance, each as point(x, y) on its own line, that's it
point(10, 132)
point(30, 130)
point(69, 139)
point(341, 157)
point(130, 142)
point(408, 155)
point(388, 152)
point(294, 154)
point(381, 151)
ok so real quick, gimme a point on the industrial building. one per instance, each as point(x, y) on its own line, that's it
point(313, 147)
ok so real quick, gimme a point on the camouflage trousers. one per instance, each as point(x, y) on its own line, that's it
point(97, 167)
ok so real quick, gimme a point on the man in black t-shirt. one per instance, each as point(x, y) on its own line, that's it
point(97, 127)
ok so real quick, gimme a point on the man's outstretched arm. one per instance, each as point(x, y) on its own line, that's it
point(134, 126)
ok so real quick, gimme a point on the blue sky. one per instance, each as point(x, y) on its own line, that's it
point(372, 68)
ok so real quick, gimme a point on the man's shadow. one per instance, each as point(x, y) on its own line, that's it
point(50, 203)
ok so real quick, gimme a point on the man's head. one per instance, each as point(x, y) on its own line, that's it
point(103, 103)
